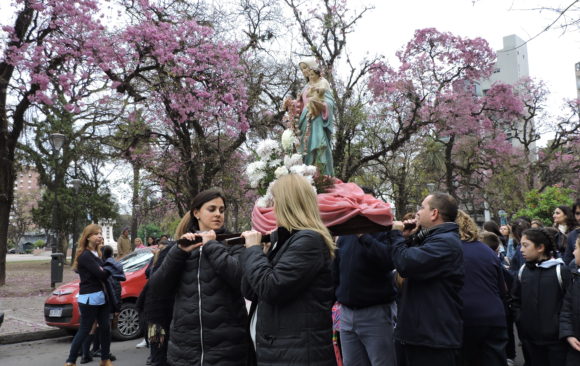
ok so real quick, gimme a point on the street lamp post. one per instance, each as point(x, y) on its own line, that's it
point(56, 141)
point(57, 260)
point(76, 183)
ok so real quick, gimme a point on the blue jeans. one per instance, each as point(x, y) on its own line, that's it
point(90, 313)
point(366, 336)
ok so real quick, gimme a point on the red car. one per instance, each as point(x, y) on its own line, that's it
point(61, 309)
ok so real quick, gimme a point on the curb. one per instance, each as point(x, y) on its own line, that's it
point(32, 336)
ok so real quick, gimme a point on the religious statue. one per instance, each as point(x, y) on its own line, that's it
point(315, 125)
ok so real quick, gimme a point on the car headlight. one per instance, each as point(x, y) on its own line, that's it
point(66, 291)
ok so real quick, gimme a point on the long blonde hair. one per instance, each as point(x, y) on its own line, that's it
point(296, 207)
point(83, 243)
point(468, 230)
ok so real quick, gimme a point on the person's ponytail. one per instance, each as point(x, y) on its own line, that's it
point(183, 226)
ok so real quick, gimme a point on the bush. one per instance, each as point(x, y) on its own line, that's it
point(39, 244)
point(541, 205)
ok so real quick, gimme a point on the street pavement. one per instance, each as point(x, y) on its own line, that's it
point(44, 256)
point(53, 352)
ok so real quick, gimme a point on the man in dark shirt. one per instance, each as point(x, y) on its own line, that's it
point(429, 323)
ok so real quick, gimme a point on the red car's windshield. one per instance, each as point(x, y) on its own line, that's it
point(136, 260)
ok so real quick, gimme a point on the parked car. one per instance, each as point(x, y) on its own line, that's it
point(61, 309)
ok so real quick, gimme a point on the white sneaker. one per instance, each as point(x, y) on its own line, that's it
point(141, 344)
point(510, 362)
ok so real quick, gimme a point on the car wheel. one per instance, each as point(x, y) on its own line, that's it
point(128, 326)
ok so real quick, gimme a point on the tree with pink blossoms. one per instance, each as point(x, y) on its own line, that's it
point(45, 35)
point(431, 92)
point(189, 89)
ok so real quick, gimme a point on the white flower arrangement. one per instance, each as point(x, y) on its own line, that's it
point(275, 161)
point(289, 140)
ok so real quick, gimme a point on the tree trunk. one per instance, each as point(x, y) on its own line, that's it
point(135, 202)
point(449, 167)
point(5, 204)
point(8, 138)
point(7, 178)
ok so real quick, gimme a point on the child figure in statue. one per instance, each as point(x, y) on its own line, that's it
point(316, 119)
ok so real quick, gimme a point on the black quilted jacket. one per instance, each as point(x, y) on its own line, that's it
point(294, 292)
point(209, 325)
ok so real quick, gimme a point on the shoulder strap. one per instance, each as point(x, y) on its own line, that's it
point(520, 272)
point(559, 275)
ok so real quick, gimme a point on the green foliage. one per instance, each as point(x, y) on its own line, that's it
point(73, 207)
point(39, 244)
point(170, 226)
point(149, 230)
point(541, 205)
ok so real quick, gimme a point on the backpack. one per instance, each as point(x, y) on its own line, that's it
point(558, 274)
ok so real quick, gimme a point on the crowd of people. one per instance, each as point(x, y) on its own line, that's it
point(434, 290)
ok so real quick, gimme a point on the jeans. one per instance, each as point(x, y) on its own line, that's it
point(366, 336)
point(484, 345)
point(90, 313)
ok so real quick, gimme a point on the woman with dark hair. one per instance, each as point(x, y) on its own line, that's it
point(576, 211)
point(150, 241)
point(538, 294)
point(291, 285)
point(485, 335)
point(518, 227)
point(564, 219)
point(92, 300)
point(209, 325)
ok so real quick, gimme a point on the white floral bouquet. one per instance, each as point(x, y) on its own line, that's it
point(274, 161)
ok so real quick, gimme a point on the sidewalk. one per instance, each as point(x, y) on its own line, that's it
point(22, 300)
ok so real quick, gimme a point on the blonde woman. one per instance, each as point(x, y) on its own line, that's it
point(139, 243)
point(92, 299)
point(291, 285)
point(484, 319)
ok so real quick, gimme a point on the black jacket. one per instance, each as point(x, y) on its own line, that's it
point(363, 270)
point(537, 300)
point(113, 285)
point(430, 309)
point(209, 323)
point(294, 293)
point(157, 307)
point(91, 272)
point(570, 314)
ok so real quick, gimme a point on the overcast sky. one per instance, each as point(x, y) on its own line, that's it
point(552, 55)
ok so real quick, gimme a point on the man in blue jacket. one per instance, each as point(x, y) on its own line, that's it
point(363, 275)
point(430, 325)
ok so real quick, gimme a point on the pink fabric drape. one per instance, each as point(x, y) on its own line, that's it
point(341, 203)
